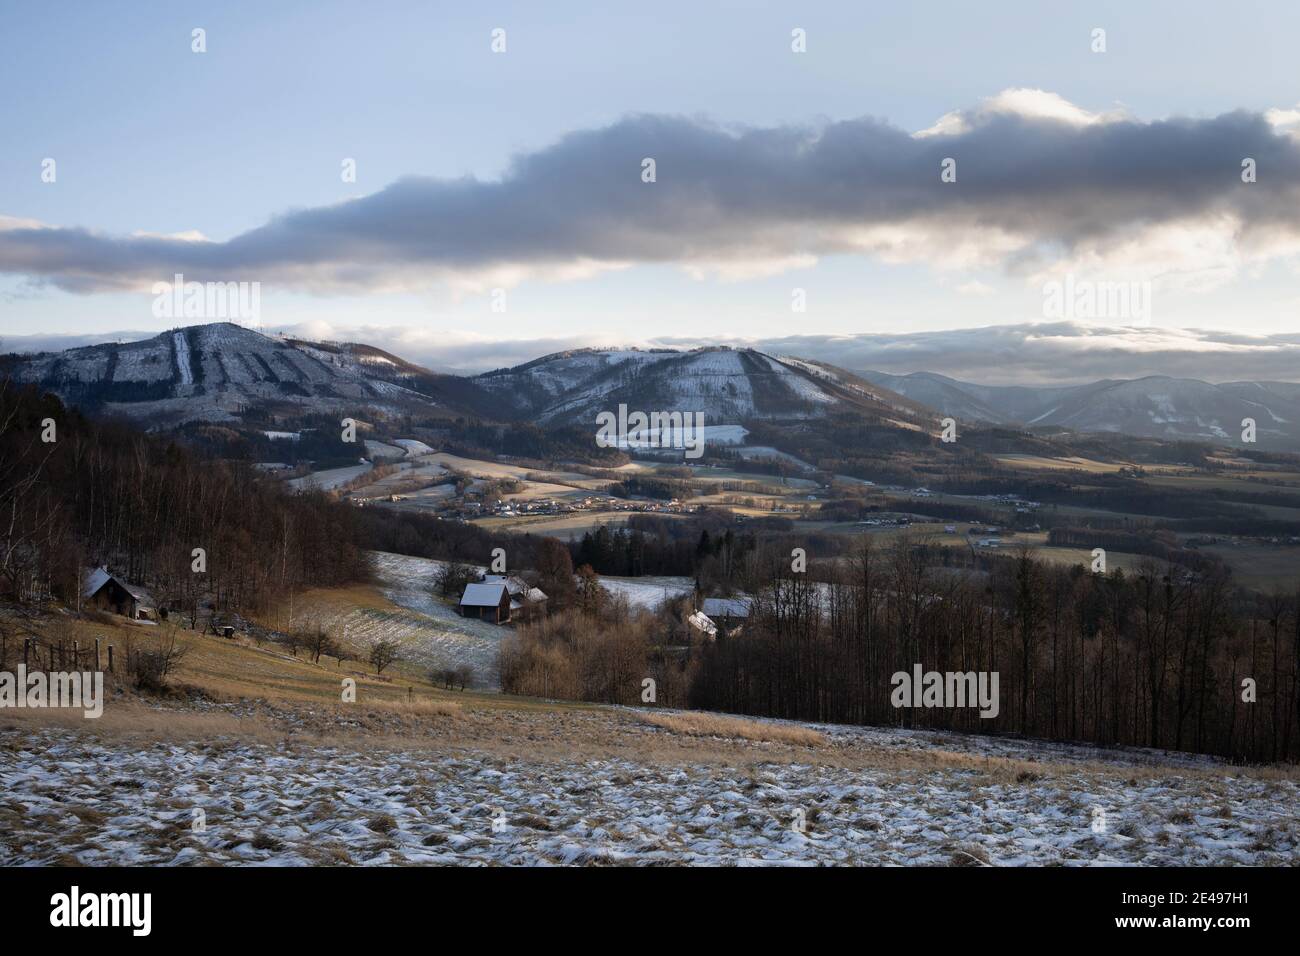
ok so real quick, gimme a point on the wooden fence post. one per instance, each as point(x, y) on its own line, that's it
point(96, 653)
point(110, 658)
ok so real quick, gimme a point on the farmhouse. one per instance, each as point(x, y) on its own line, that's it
point(486, 601)
point(727, 614)
point(525, 601)
point(107, 592)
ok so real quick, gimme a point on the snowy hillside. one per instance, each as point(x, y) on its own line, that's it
point(1152, 407)
point(213, 372)
point(727, 385)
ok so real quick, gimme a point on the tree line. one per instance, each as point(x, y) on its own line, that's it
point(77, 492)
point(1159, 656)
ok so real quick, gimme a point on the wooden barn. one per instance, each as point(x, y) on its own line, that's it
point(108, 592)
point(488, 601)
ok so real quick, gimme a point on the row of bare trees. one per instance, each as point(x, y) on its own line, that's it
point(1157, 657)
point(1160, 656)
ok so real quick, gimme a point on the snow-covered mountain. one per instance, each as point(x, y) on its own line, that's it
point(1153, 407)
point(217, 371)
point(728, 385)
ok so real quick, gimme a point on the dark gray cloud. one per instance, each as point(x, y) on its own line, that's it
point(1033, 186)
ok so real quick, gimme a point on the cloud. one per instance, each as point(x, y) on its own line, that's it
point(1042, 187)
point(1058, 353)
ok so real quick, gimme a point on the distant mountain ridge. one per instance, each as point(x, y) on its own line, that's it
point(220, 371)
point(1150, 407)
point(216, 372)
point(728, 385)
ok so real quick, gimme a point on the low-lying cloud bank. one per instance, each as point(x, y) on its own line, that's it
point(1042, 186)
point(1059, 353)
point(1055, 353)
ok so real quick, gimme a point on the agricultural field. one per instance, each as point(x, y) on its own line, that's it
point(331, 479)
point(1263, 566)
point(1039, 463)
point(647, 591)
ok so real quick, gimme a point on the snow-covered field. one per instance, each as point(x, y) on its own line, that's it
point(525, 788)
point(647, 591)
point(379, 449)
point(329, 479)
point(431, 634)
point(413, 446)
point(759, 452)
point(651, 438)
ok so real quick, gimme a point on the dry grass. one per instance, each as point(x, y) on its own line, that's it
point(231, 690)
point(715, 725)
point(132, 718)
point(421, 708)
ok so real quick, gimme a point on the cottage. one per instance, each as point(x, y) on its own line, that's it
point(486, 601)
point(107, 592)
point(727, 614)
point(525, 601)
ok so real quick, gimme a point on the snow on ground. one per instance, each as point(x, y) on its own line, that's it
point(183, 358)
point(435, 633)
point(758, 452)
point(72, 797)
point(805, 389)
point(648, 591)
point(329, 479)
point(670, 437)
point(379, 449)
point(412, 446)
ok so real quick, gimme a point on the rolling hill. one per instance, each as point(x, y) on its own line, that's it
point(218, 371)
point(1161, 407)
point(728, 385)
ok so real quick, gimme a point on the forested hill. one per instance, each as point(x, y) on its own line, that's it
point(77, 492)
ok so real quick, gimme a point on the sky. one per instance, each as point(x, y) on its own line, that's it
point(500, 207)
